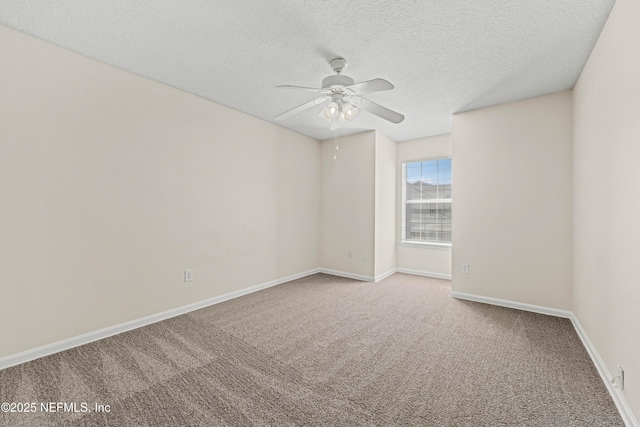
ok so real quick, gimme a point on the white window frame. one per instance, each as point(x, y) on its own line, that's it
point(416, 243)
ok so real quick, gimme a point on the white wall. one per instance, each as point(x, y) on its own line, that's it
point(111, 185)
point(420, 259)
point(347, 203)
point(385, 205)
point(606, 219)
point(512, 208)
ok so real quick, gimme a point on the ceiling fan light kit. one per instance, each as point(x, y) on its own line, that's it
point(345, 100)
point(337, 112)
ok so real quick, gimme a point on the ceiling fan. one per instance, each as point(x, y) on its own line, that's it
point(345, 98)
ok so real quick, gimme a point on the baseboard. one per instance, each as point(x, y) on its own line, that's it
point(513, 304)
point(424, 273)
point(384, 275)
point(346, 275)
point(616, 394)
point(45, 350)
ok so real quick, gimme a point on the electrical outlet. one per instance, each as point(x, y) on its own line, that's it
point(188, 275)
point(621, 375)
point(618, 380)
point(465, 268)
point(349, 254)
point(365, 256)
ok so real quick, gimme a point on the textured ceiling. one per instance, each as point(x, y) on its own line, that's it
point(443, 56)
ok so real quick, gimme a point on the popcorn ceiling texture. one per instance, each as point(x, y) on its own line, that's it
point(443, 56)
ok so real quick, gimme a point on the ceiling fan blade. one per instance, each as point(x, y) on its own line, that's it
point(353, 100)
point(300, 108)
point(310, 89)
point(380, 111)
point(375, 85)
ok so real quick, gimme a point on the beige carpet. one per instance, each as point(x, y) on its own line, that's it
point(325, 351)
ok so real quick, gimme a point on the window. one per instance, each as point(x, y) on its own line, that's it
point(426, 202)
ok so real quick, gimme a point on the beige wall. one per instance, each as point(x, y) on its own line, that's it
point(112, 185)
point(385, 211)
point(512, 201)
point(434, 261)
point(347, 202)
point(606, 219)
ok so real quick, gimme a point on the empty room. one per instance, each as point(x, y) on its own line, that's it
point(288, 213)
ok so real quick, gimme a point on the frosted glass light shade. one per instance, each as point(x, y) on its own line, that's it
point(347, 112)
point(332, 111)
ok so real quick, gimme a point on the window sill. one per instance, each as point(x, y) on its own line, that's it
point(428, 245)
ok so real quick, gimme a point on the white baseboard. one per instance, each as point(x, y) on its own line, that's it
point(617, 396)
point(513, 304)
point(384, 275)
point(45, 350)
point(346, 275)
point(424, 273)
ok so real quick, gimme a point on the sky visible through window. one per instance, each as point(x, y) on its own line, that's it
point(430, 172)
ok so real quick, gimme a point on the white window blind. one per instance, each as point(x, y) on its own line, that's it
point(426, 201)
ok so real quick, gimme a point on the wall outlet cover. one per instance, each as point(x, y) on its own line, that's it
point(621, 375)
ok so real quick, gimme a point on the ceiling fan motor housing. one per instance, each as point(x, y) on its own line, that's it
point(336, 83)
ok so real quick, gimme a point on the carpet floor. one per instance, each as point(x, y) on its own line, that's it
point(324, 351)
